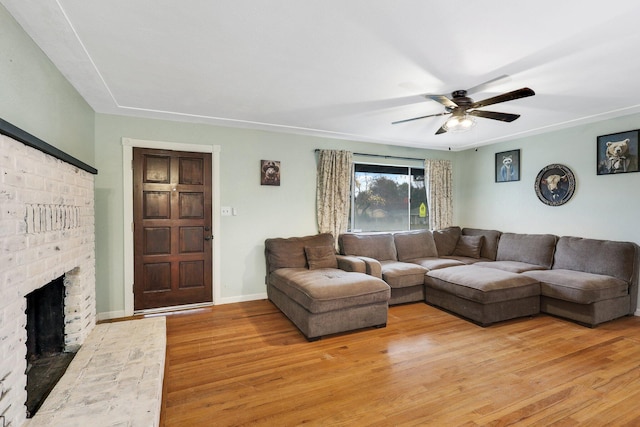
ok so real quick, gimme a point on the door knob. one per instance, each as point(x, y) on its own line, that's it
point(208, 237)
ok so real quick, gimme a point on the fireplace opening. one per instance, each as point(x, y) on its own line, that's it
point(47, 360)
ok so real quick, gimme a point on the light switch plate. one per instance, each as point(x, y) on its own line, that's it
point(225, 211)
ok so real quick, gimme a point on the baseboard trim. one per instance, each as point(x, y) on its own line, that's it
point(637, 313)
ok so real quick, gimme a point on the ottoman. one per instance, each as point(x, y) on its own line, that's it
point(482, 294)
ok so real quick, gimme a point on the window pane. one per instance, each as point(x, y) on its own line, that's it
point(381, 201)
point(419, 220)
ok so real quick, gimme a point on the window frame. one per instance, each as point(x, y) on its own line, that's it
point(409, 173)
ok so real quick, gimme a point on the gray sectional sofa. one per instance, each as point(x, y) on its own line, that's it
point(486, 276)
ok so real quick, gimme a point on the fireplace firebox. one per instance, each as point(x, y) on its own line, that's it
point(46, 357)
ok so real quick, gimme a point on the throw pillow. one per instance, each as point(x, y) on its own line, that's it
point(469, 246)
point(321, 257)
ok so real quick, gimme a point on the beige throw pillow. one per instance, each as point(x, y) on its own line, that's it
point(469, 246)
point(321, 257)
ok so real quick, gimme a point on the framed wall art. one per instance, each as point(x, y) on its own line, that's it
point(508, 166)
point(555, 184)
point(269, 172)
point(618, 153)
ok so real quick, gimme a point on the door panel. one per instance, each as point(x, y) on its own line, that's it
point(172, 228)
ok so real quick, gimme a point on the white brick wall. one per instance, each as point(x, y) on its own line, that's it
point(46, 231)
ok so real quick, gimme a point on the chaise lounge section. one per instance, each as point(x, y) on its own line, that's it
point(320, 292)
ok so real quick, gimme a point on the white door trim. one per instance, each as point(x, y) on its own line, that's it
point(127, 160)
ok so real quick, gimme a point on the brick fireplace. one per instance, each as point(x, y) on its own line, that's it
point(46, 231)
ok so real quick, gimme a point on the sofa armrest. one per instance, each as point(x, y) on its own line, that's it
point(372, 266)
point(351, 263)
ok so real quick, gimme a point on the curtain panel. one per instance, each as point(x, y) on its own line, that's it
point(438, 184)
point(333, 187)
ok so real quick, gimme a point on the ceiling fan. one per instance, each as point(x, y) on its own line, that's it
point(460, 107)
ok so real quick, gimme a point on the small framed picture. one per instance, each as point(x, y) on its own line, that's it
point(618, 153)
point(508, 166)
point(269, 172)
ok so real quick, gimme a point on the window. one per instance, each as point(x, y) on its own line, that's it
point(388, 198)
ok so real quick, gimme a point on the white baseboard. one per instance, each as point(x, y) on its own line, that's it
point(108, 315)
point(242, 298)
point(637, 313)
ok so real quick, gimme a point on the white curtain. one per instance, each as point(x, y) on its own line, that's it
point(333, 186)
point(438, 183)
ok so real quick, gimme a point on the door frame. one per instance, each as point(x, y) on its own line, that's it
point(128, 145)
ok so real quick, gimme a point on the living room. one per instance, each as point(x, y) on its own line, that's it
point(39, 99)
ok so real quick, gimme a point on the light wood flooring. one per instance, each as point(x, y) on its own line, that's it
point(246, 364)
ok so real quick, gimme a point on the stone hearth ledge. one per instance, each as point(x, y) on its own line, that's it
point(115, 379)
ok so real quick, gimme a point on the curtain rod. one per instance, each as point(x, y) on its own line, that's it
point(383, 156)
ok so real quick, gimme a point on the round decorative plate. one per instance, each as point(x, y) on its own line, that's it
point(555, 185)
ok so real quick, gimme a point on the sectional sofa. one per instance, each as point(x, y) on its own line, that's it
point(485, 276)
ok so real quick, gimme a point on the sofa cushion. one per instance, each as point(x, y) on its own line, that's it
point(434, 263)
point(289, 252)
point(512, 266)
point(490, 244)
point(465, 259)
point(402, 274)
point(321, 257)
point(578, 286)
point(469, 246)
point(482, 285)
point(327, 289)
point(376, 246)
point(616, 259)
point(415, 244)
point(535, 249)
point(446, 240)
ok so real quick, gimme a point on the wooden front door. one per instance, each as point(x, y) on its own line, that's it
point(172, 228)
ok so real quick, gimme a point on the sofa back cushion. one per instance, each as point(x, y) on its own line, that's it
point(446, 240)
point(609, 258)
point(490, 242)
point(376, 246)
point(290, 252)
point(535, 249)
point(415, 245)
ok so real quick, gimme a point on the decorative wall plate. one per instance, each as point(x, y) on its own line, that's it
point(555, 185)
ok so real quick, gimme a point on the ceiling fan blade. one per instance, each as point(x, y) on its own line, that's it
point(483, 86)
point(442, 100)
point(418, 118)
point(509, 96)
point(503, 117)
point(442, 129)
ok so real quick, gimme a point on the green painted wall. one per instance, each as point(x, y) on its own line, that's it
point(603, 206)
point(36, 97)
point(263, 211)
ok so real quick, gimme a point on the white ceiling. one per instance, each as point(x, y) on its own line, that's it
point(345, 68)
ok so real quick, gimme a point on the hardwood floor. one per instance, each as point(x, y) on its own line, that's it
point(246, 364)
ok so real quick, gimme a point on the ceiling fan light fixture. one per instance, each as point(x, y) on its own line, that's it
point(459, 123)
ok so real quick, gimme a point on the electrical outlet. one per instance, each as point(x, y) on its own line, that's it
point(225, 211)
